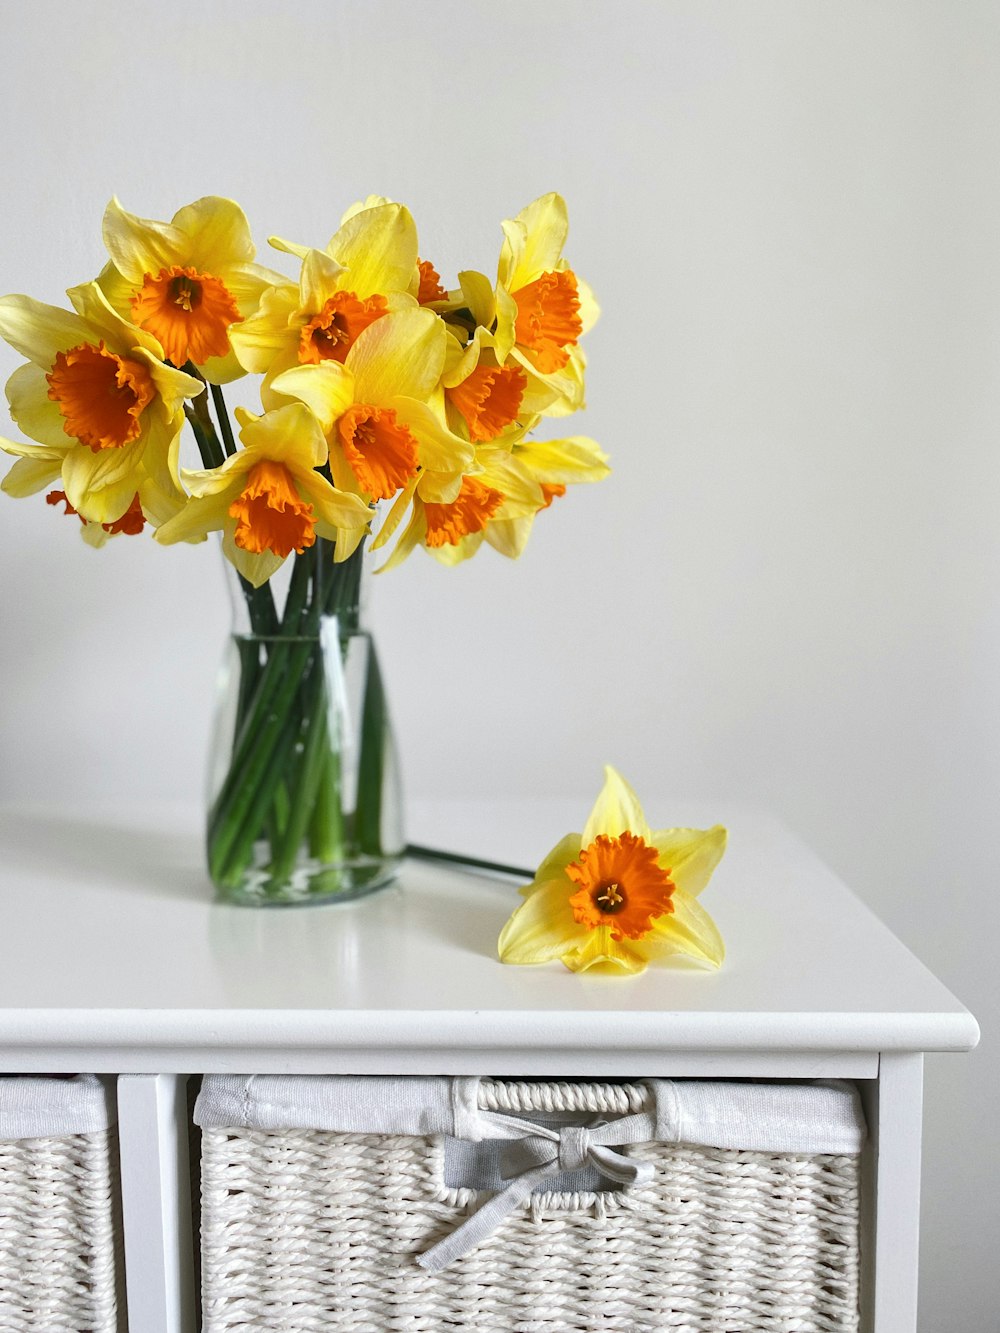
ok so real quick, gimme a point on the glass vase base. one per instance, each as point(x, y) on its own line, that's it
point(311, 882)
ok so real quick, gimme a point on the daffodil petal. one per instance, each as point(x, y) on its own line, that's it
point(543, 927)
point(317, 281)
point(289, 433)
point(545, 224)
point(160, 458)
point(564, 462)
point(117, 289)
point(256, 567)
point(413, 534)
point(509, 536)
point(39, 331)
point(21, 450)
point(400, 355)
point(91, 303)
point(556, 395)
point(440, 449)
point(464, 549)
point(138, 246)
point(506, 318)
point(477, 292)
point(288, 247)
point(395, 515)
point(30, 475)
point(105, 321)
point(217, 233)
point(688, 930)
point(617, 810)
point(160, 502)
point(328, 390)
point(247, 283)
point(222, 369)
point(440, 488)
point(604, 953)
point(101, 485)
point(34, 411)
point(379, 248)
point(565, 851)
point(522, 493)
point(268, 333)
point(227, 477)
point(346, 543)
point(589, 309)
point(196, 520)
point(690, 854)
point(360, 206)
point(336, 509)
point(173, 386)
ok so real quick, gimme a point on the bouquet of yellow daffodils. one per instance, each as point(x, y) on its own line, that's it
point(395, 413)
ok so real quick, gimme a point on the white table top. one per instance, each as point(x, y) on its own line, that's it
point(110, 944)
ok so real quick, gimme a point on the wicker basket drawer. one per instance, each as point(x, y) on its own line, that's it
point(60, 1234)
point(434, 1203)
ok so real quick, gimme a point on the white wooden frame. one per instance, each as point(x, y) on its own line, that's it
point(154, 1134)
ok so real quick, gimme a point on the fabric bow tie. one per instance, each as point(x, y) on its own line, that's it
point(545, 1151)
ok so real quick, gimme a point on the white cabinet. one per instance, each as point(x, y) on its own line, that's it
point(114, 959)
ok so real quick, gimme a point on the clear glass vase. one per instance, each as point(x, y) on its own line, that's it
point(305, 799)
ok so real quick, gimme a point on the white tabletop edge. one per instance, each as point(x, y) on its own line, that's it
point(444, 1030)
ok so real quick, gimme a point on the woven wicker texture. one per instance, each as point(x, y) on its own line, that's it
point(59, 1238)
point(305, 1230)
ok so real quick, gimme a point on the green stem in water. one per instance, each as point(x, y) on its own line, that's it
point(308, 773)
point(284, 751)
point(371, 759)
point(255, 726)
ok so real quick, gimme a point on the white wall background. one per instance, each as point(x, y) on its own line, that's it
point(789, 590)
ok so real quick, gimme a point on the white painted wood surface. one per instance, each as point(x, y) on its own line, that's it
point(895, 1127)
point(114, 958)
point(156, 1203)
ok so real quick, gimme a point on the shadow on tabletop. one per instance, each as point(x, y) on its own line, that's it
point(162, 864)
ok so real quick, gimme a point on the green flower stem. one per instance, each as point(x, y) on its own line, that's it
point(371, 760)
point(260, 754)
point(419, 853)
point(204, 433)
point(326, 826)
point(307, 777)
point(265, 716)
point(224, 423)
point(283, 781)
point(249, 787)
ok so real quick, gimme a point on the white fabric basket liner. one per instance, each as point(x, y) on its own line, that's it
point(43, 1108)
point(806, 1118)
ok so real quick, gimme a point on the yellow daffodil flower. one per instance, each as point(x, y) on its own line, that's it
point(537, 311)
point(483, 399)
point(425, 284)
point(268, 499)
point(552, 465)
point(368, 269)
point(374, 408)
point(515, 479)
point(188, 282)
point(150, 504)
point(449, 514)
point(618, 895)
point(96, 394)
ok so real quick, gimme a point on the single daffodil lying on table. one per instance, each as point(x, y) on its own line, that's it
point(619, 894)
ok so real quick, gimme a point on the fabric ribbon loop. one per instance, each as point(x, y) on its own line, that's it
point(544, 1152)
